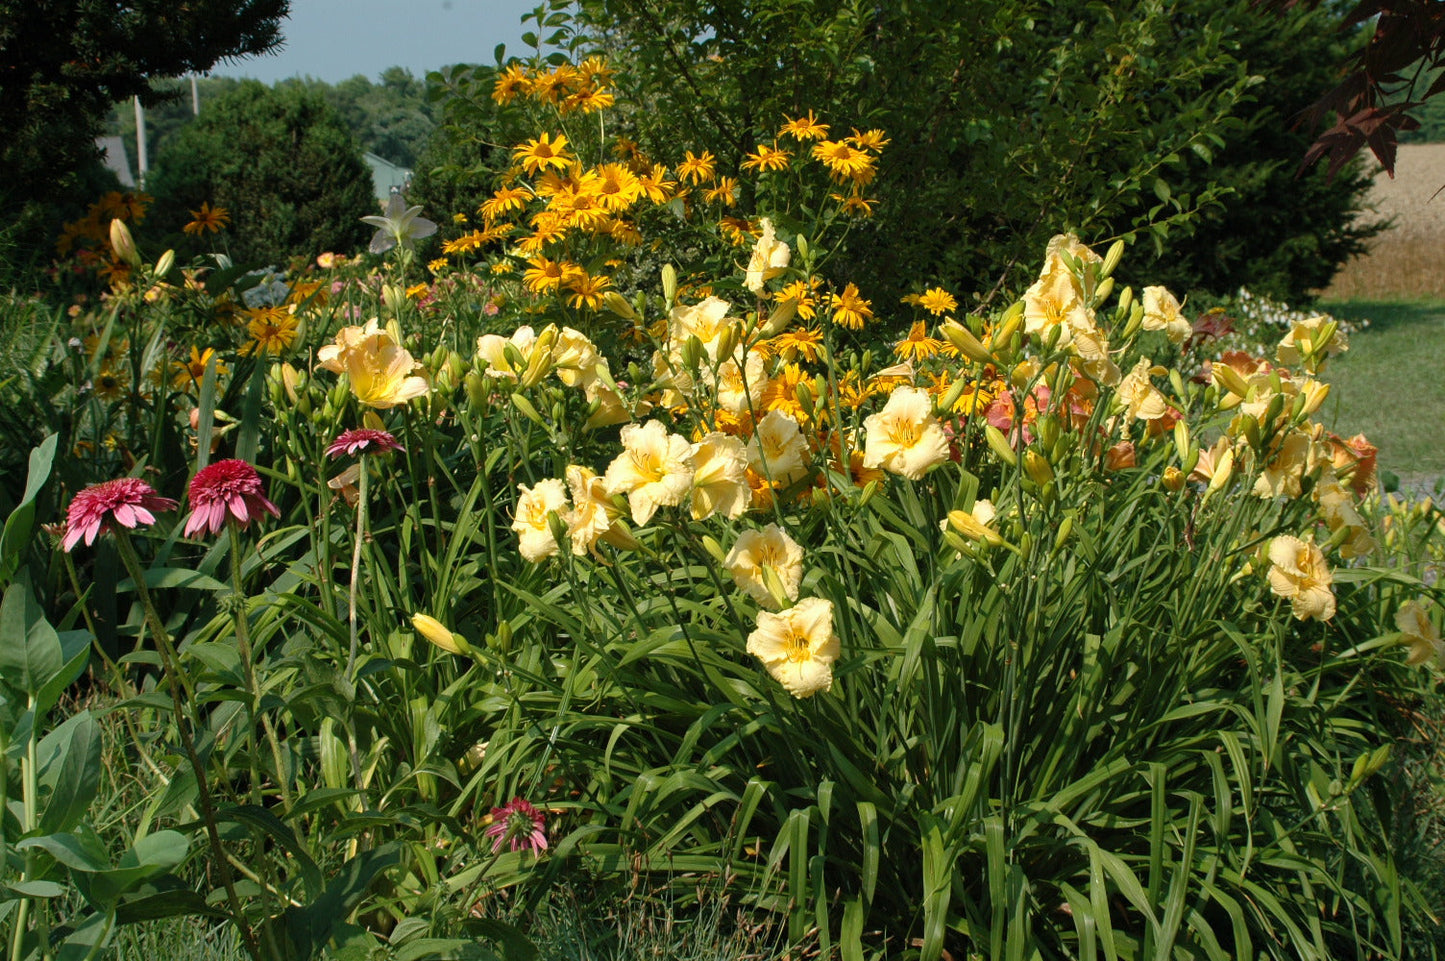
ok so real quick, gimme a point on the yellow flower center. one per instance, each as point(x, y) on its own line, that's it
point(797, 647)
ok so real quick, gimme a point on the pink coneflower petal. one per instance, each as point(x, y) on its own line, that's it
point(363, 440)
point(126, 501)
point(227, 488)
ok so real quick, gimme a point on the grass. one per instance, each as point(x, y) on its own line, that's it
point(1388, 385)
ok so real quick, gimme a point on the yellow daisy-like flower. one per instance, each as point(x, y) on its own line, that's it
point(189, 374)
point(937, 301)
point(874, 140)
point(1298, 573)
point(766, 159)
point(272, 330)
point(503, 202)
point(109, 383)
point(655, 184)
point(905, 438)
point(843, 160)
point(918, 345)
point(724, 193)
point(855, 206)
point(804, 294)
point(465, 244)
point(208, 218)
point(804, 128)
point(850, 310)
point(545, 276)
point(543, 153)
point(698, 169)
point(798, 646)
point(801, 342)
point(587, 290)
point(617, 187)
point(510, 83)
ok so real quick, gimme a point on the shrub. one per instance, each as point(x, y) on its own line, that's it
point(280, 161)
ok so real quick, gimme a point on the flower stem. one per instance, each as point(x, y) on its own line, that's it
point(248, 670)
point(170, 663)
point(361, 494)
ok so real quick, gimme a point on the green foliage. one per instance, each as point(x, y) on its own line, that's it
point(280, 161)
point(68, 63)
point(1011, 120)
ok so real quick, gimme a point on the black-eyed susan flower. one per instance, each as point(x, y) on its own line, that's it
point(208, 218)
point(850, 310)
point(272, 329)
point(804, 128)
point(698, 168)
point(767, 159)
point(543, 153)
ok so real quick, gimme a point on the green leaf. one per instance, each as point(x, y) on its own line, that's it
point(21, 522)
point(30, 651)
point(69, 772)
point(158, 577)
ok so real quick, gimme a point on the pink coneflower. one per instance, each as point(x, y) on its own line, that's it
point(518, 824)
point(127, 501)
point(362, 440)
point(227, 488)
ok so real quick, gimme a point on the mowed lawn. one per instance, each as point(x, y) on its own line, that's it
point(1390, 385)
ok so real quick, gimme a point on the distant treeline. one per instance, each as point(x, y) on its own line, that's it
point(390, 118)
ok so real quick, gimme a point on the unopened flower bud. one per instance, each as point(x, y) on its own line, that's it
point(123, 243)
point(432, 629)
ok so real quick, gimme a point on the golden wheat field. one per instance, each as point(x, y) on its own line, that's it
point(1407, 261)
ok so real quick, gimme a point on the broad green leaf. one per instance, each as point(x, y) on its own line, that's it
point(30, 651)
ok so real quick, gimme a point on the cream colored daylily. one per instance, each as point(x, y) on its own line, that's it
point(1163, 312)
point(708, 321)
point(1337, 507)
point(770, 258)
point(1419, 634)
point(493, 349)
point(593, 516)
point(798, 646)
point(720, 477)
point(382, 373)
point(778, 450)
point(769, 548)
point(905, 438)
point(1311, 342)
point(532, 522)
point(1139, 397)
point(1299, 574)
point(654, 469)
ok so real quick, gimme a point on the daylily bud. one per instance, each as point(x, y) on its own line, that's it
point(618, 305)
point(1173, 478)
point(393, 296)
point(780, 318)
point(123, 244)
point(1112, 258)
point(167, 261)
point(968, 345)
point(1000, 445)
point(527, 410)
point(432, 629)
point(1222, 472)
point(948, 400)
point(1037, 466)
point(1105, 288)
point(669, 284)
point(1230, 379)
point(1126, 302)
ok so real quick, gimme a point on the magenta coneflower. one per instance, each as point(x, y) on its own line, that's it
point(227, 488)
point(361, 440)
point(519, 825)
point(127, 501)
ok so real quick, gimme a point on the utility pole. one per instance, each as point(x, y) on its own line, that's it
point(195, 98)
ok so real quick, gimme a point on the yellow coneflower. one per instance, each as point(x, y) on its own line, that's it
point(503, 202)
point(109, 383)
point(655, 184)
point(801, 342)
point(207, 218)
point(186, 374)
point(737, 230)
point(272, 330)
point(501, 268)
point(804, 294)
point(464, 244)
point(873, 140)
point(724, 193)
point(589, 100)
point(438, 265)
point(543, 153)
point(545, 275)
point(767, 159)
point(418, 291)
point(617, 187)
point(587, 289)
point(842, 159)
point(917, 345)
point(804, 128)
point(854, 205)
point(550, 86)
point(698, 169)
point(849, 309)
point(596, 70)
point(510, 83)
point(937, 301)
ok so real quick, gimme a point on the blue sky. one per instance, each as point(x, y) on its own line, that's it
point(335, 39)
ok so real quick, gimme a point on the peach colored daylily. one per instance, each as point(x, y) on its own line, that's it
point(1299, 574)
